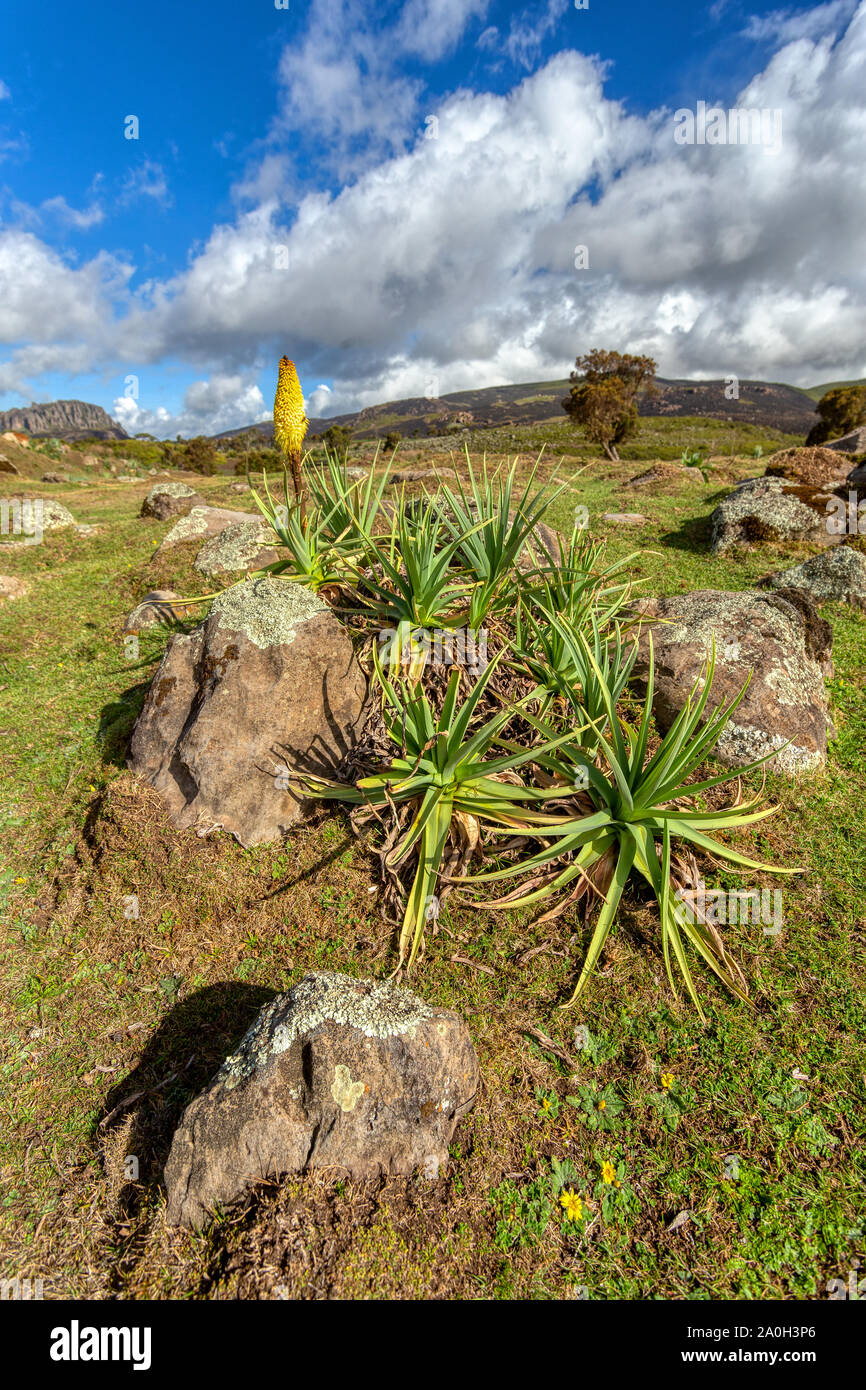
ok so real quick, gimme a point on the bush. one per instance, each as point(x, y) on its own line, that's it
point(841, 410)
point(603, 396)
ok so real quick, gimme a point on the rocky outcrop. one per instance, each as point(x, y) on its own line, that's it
point(771, 509)
point(357, 1076)
point(268, 686)
point(838, 574)
point(779, 638)
point(167, 500)
point(63, 420)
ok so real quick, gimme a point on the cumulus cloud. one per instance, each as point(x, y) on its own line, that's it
point(223, 402)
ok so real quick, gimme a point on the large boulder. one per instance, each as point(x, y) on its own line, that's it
point(358, 1076)
point(780, 638)
point(268, 685)
point(167, 500)
point(838, 574)
point(241, 546)
point(201, 523)
point(7, 466)
point(772, 509)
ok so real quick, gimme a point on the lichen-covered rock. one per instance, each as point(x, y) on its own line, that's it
point(166, 500)
point(834, 574)
point(55, 516)
point(358, 1076)
point(202, 522)
point(56, 478)
point(156, 609)
point(266, 687)
point(780, 638)
point(772, 509)
point(242, 546)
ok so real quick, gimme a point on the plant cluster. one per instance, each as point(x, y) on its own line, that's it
point(539, 772)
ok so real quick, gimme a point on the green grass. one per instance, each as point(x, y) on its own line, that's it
point(768, 1167)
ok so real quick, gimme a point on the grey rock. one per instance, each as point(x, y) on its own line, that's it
point(838, 574)
point(202, 522)
point(779, 638)
point(357, 1076)
point(771, 509)
point(167, 500)
point(268, 686)
point(242, 546)
point(157, 609)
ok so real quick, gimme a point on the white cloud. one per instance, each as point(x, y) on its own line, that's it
point(432, 28)
point(146, 180)
point(785, 26)
point(5, 94)
point(529, 30)
point(81, 218)
point(223, 402)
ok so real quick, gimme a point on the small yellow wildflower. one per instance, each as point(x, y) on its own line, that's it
point(571, 1205)
point(667, 1079)
point(608, 1172)
point(545, 1104)
point(602, 1105)
point(20, 880)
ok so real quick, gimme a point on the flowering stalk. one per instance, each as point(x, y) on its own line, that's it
point(290, 423)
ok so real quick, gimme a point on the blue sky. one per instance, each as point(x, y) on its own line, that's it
point(394, 198)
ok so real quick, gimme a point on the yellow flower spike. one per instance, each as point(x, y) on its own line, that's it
point(290, 422)
point(667, 1079)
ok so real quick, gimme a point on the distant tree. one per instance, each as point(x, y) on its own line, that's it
point(603, 397)
point(840, 410)
point(337, 438)
point(148, 437)
point(200, 456)
point(391, 440)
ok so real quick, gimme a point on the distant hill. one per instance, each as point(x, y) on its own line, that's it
point(63, 420)
point(768, 404)
point(816, 392)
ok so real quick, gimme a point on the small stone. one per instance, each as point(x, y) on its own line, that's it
point(166, 500)
point(624, 518)
point(11, 588)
